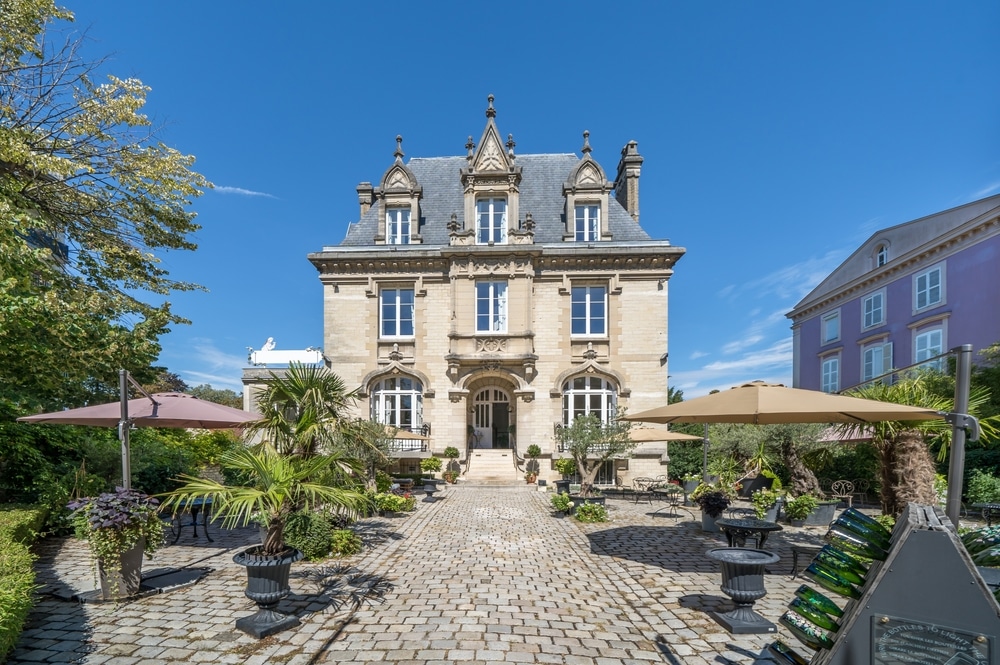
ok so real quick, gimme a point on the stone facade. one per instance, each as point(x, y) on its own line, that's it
point(476, 291)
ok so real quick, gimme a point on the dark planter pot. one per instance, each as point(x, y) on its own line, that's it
point(562, 486)
point(797, 522)
point(580, 500)
point(124, 582)
point(267, 584)
point(708, 523)
point(743, 581)
point(823, 514)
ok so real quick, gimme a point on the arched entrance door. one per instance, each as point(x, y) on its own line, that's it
point(491, 418)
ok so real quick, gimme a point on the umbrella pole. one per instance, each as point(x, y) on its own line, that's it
point(704, 456)
point(956, 467)
point(123, 427)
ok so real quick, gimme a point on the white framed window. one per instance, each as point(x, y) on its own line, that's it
point(398, 402)
point(928, 288)
point(873, 310)
point(491, 221)
point(397, 226)
point(881, 255)
point(491, 307)
point(829, 327)
point(588, 223)
point(876, 360)
point(397, 312)
point(585, 395)
point(928, 344)
point(830, 374)
point(589, 308)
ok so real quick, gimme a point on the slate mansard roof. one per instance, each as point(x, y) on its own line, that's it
point(541, 195)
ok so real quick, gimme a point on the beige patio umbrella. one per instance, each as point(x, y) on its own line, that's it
point(644, 434)
point(763, 403)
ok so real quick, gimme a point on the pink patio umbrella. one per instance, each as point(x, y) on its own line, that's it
point(169, 410)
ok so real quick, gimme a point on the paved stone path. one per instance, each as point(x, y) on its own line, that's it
point(476, 574)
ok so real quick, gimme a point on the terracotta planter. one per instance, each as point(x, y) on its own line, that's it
point(125, 582)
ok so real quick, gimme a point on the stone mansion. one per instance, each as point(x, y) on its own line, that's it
point(482, 299)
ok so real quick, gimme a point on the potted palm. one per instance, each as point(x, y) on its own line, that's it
point(273, 486)
point(120, 527)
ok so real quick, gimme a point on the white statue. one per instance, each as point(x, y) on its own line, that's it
point(268, 345)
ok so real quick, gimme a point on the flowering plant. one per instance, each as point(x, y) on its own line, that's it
point(713, 502)
point(115, 522)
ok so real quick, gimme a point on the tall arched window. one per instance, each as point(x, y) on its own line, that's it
point(398, 402)
point(881, 255)
point(585, 395)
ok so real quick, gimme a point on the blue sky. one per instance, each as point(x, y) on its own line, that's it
point(777, 137)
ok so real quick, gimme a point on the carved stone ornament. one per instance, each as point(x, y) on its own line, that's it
point(491, 345)
point(491, 365)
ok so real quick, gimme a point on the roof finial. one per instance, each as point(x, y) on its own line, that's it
point(491, 112)
point(510, 145)
point(586, 142)
point(399, 148)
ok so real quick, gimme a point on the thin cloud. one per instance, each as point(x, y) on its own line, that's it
point(697, 354)
point(740, 344)
point(241, 192)
point(986, 191)
point(207, 364)
point(772, 364)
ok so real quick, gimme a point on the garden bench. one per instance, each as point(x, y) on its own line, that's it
point(405, 484)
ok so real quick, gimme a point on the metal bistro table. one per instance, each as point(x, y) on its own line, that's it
point(674, 496)
point(989, 511)
point(737, 531)
point(192, 508)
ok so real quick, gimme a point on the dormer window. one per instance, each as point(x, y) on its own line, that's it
point(397, 226)
point(881, 256)
point(491, 221)
point(588, 222)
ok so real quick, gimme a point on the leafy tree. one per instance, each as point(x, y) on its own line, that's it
point(302, 409)
point(166, 382)
point(222, 396)
point(592, 443)
point(88, 197)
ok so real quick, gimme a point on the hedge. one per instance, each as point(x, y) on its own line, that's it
point(18, 528)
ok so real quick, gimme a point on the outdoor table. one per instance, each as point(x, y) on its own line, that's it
point(192, 507)
point(674, 496)
point(737, 531)
point(989, 510)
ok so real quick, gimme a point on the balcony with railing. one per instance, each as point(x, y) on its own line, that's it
point(413, 439)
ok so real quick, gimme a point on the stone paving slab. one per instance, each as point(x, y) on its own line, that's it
point(476, 574)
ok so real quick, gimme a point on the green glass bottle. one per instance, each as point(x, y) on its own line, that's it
point(807, 611)
point(847, 541)
point(830, 580)
point(859, 516)
point(805, 632)
point(786, 654)
point(818, 600)
point(851, 561)
point(840, 567)
point(862, 531)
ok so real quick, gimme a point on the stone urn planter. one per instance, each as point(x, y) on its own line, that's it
point(743, 581)
point(267, 584)
point(822, 514)
point(562, 486)
point(580, 500)
point(708, 523)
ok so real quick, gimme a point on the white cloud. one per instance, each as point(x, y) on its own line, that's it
point(242, 192)
point(986, 191)
point(740, 344)
point(205, 363)
point(772, 364)
point(698, 354)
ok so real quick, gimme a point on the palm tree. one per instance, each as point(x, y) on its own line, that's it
point(302, 410)
point(906, 467)
point(274, 486)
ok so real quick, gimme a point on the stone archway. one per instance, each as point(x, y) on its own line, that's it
point(492, 413)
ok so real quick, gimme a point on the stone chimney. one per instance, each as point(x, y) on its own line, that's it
point(627, 180)
point(366, 196)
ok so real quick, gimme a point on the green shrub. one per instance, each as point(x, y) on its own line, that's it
point(982, 487)
point(383, 481)
point(562, 502)
point(451, 452)
point(17, 583)
point(800, 507)
point(345, 543)
point(431, 464)
point(591, 512)
point(387, 502)
point(310, 532)
point(565, 466)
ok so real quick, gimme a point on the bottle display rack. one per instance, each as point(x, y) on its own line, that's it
point(912, 596)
